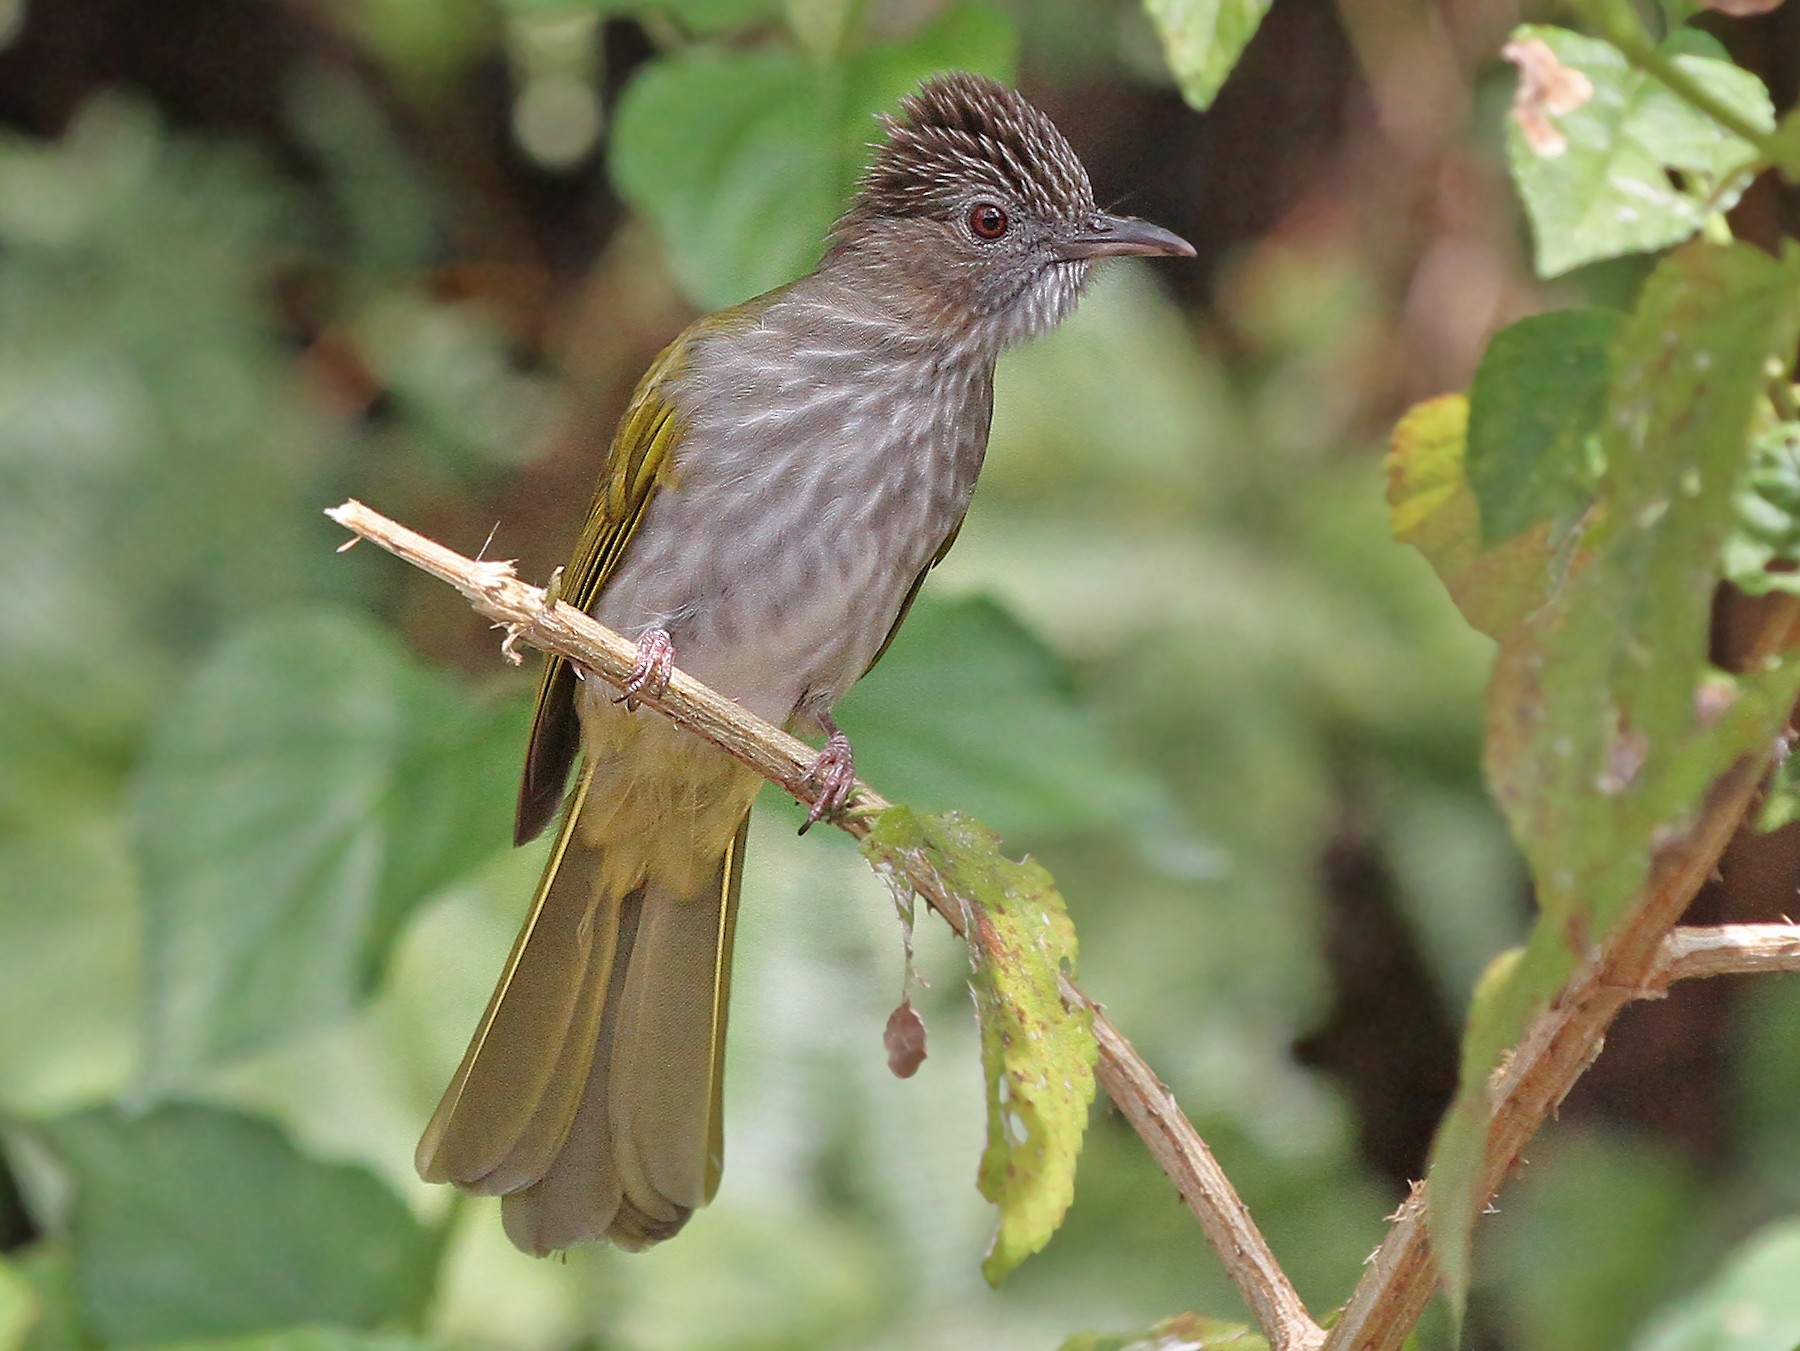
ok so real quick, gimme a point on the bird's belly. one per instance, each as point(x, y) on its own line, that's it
point(775, 618)
point(799, 509)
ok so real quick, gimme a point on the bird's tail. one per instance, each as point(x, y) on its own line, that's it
point(590, 1095)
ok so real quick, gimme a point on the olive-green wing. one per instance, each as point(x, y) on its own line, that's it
point(637, 463)
point(912, 594)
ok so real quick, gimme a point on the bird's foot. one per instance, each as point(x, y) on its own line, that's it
point(650, 673)
point(833, 773)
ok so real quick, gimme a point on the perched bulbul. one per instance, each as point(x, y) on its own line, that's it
point(785, 475)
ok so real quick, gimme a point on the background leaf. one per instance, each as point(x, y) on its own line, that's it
point(318, 1339)
point(1767, 530)
point(1751, 1304)
point(309, 786)
point(18, 1308)
point(1183, 1332)
point(194, 1223)
point(733, 156)
point(49, 1273)
point(971, 708)
point(1202, 40)
point(1600, 1226)
point(742, 159)
point(1432, 507)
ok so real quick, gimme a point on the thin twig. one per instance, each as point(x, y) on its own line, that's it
point(1177, 1147)
point(494, 590)
point(1726, 950)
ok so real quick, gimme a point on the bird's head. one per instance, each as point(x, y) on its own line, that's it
point(975, 215)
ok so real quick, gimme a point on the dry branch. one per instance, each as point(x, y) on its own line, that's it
point(1726, 950)
point(527, 615)
point(1638, 962)
point(1399, 1278)
point(1554, 1052)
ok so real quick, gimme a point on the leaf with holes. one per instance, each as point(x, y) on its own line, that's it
point(1638, 169)
point(1607, 724)
point(1037, 1053)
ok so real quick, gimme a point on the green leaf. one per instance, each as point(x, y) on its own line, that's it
point(742, 159)
point(732, 156)
point(1516, 984)
point(1767, 530)
point(1533, 411)
point(1591, 1237)
point(1606, 733)
point(68, 921)
point(698, 17)
point(970, 707)
point(1432, 507)
point(18, 1307)
point(1608, 722)
point(1787, 139)
point(49, 1270)
point(1202, 40)
point(309, 786)
point(193, 1222)
point(315, 1339)
point(1037, 1053)
point(1751, 1304)
point(1781, 797)
point(156, 440)
point(1183, 1332)
point(1610, 191)
point(973, 35)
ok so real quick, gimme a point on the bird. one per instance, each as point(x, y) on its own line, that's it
point(785, 474)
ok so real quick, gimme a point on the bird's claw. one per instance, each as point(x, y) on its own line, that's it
point(834, 774)
point(651, 671)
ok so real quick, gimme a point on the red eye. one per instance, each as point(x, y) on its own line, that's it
point(987, 220)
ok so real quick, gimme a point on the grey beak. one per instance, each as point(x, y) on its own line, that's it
point(1103, 236)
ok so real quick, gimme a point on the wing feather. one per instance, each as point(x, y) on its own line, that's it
point(636, 465)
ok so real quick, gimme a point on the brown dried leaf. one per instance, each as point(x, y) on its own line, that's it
point(1546, 88)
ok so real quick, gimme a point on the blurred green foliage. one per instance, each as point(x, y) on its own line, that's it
point(255, 886)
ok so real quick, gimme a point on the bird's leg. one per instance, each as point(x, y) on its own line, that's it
point(650, 672)
point(834, 772)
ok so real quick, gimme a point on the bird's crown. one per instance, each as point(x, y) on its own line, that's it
point(962, 133)
point(975, 223)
